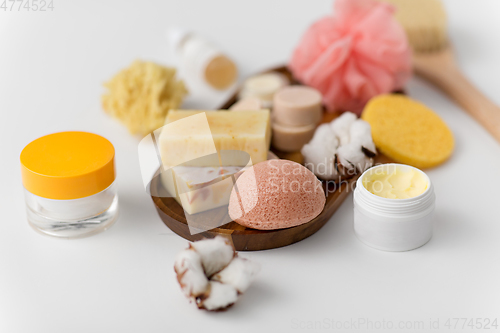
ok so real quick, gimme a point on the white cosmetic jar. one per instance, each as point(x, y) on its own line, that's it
point(393, 224)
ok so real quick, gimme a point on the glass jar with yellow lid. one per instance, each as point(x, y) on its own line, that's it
point(68, 179)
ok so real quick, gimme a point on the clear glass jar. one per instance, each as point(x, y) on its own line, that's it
point(69, 188)
point(393, 224)
point(72, 218)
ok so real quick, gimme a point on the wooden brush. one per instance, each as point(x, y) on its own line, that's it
point(425, 24)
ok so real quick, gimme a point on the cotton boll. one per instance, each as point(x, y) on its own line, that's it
point(320, 160)
point(190, 273)
point(341, 127)
point(346, 141)
point(196, 269)
point(354, 134)
point(319, 153)
point(352, 157)
point(221, 296)
point(360, 132)
point(324, 136)
point(239, 273)
point(215, 254)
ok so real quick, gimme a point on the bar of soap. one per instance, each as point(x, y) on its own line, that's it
point(297, 106)
point(289, 139)
point(191, 134)
point(276, 194)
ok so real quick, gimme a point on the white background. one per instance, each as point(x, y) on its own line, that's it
point(52, 65)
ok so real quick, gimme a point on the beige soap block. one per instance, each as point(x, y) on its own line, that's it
point(191, 134)
point(289, 139)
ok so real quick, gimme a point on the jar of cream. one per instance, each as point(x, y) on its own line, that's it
point(394, 207)
point(68, 179)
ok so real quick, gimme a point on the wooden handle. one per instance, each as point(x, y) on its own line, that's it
point(441, 70)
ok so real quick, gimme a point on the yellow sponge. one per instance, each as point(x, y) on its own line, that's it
point(408, 131)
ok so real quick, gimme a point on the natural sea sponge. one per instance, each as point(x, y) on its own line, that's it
point(408, 131)
point(141, 95)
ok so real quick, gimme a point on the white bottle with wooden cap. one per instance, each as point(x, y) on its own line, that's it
point(202, 61)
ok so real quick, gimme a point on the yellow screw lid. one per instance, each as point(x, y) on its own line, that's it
point(68, 165)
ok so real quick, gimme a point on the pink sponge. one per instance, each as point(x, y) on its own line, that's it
point(359, 53)
point(276, 194)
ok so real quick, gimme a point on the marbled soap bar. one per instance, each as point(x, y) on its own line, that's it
point(198, 189)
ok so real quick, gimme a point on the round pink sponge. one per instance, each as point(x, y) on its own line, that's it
point(276, 194)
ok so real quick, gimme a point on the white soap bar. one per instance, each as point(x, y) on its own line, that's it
point(264, 86)
point(247, 104)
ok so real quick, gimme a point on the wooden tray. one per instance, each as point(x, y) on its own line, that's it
point(246, 239)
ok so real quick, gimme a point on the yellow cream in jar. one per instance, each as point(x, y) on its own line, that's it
point(396, 183)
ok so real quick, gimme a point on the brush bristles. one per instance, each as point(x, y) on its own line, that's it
point(424, 21)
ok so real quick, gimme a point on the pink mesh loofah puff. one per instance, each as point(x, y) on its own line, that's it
point(353, 56)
